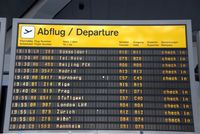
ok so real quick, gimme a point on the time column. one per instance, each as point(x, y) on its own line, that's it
point(23, 111)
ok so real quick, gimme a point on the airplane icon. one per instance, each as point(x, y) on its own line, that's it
point(27, 31)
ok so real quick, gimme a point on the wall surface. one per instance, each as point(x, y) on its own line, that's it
point(133, 10)
point(14, 9)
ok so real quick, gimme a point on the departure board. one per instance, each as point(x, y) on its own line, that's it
point(100, 76)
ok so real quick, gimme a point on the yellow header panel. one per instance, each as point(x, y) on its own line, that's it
point(102, 36)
